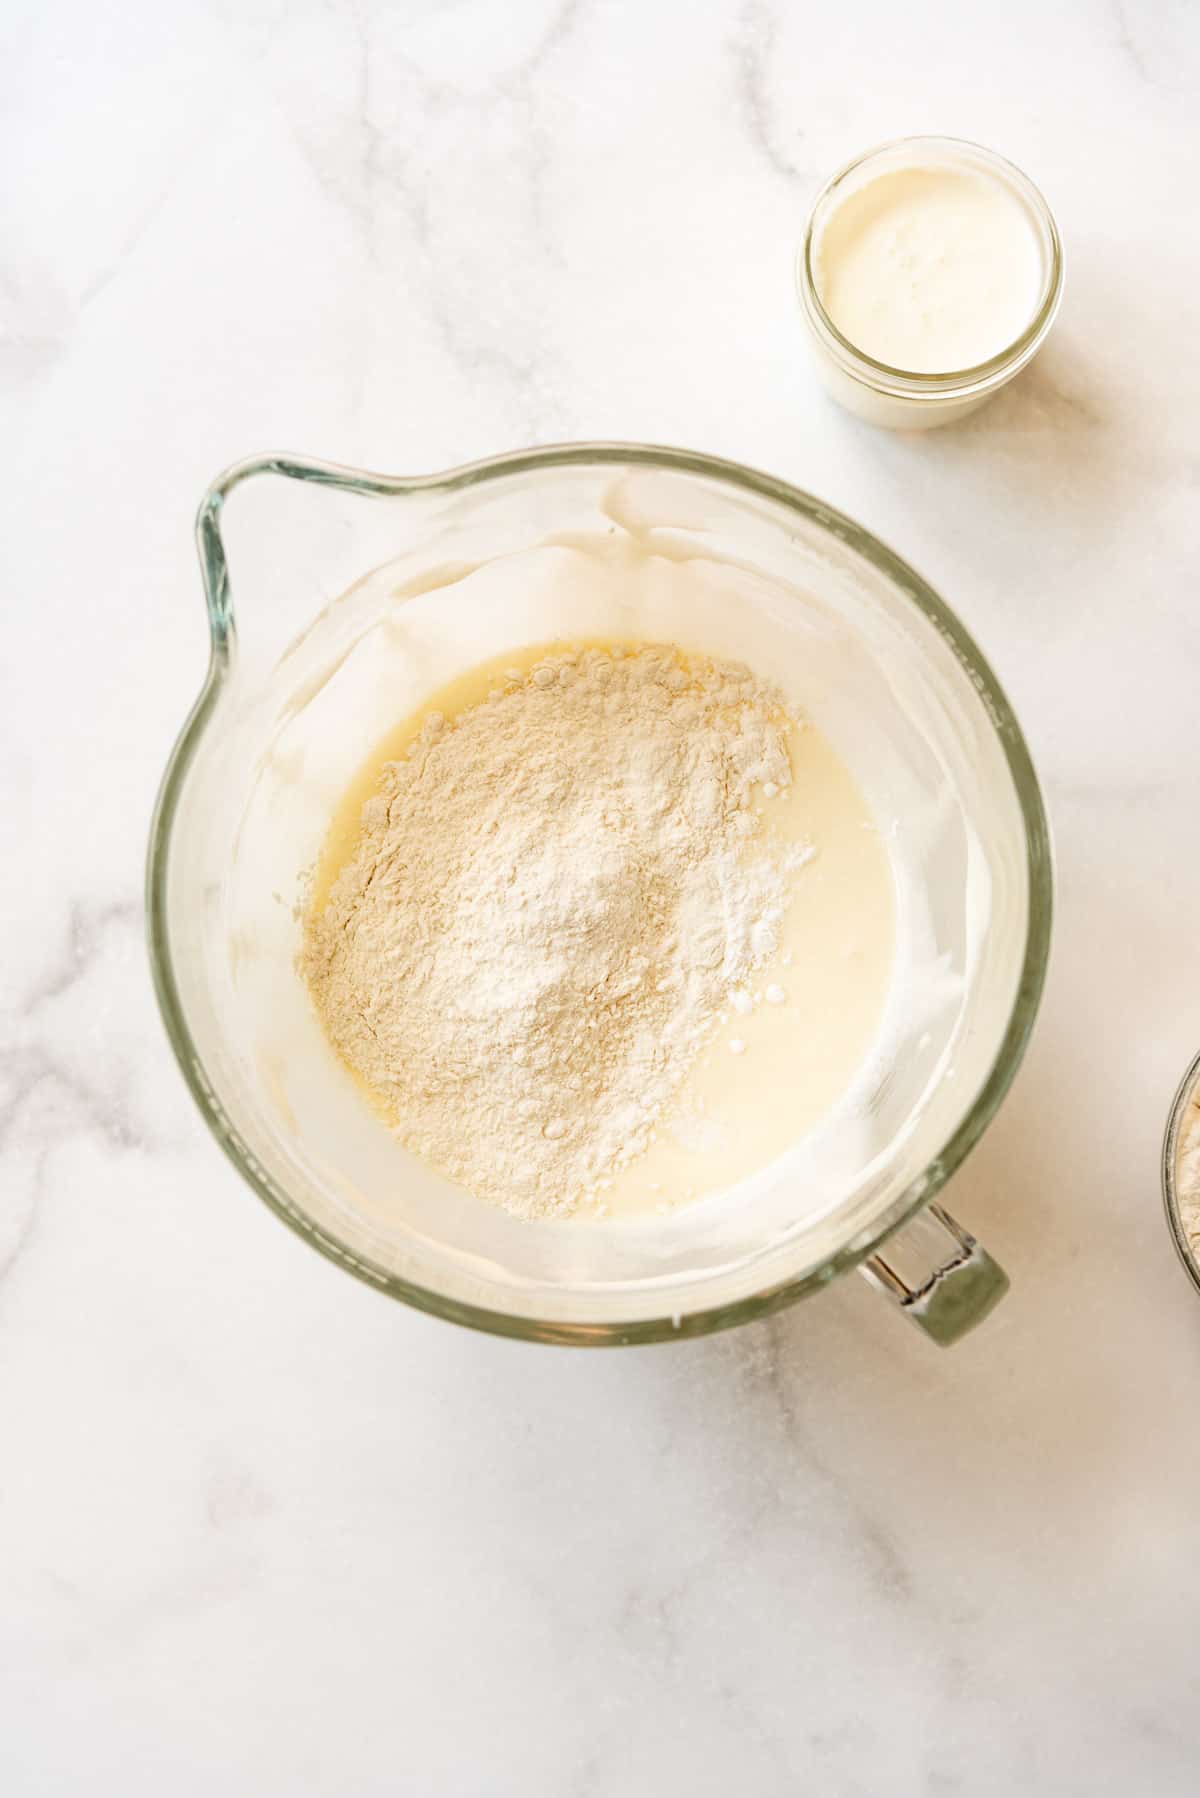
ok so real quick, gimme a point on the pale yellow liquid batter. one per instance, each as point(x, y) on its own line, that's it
point(737, 1111)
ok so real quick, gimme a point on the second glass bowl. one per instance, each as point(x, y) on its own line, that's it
point(1182, 1141)
point(894, 397)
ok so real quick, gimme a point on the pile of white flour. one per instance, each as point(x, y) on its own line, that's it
point(550, 900)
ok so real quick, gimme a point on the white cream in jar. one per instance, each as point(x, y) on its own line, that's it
point(930, 274)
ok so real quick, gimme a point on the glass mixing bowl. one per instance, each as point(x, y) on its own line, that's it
point(463, 566)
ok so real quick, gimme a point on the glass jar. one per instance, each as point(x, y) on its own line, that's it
point(893, 397)
point(358, 595)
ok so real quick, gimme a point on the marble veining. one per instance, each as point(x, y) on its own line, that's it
point(265, 1532)
point(755, 42)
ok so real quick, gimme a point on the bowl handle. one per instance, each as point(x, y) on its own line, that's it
point(938, 1275)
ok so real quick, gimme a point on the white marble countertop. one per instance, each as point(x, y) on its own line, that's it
point(262, 1532)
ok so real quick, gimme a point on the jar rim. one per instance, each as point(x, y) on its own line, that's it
point(884, 377)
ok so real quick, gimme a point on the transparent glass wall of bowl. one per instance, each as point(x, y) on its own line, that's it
point(351, 609)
